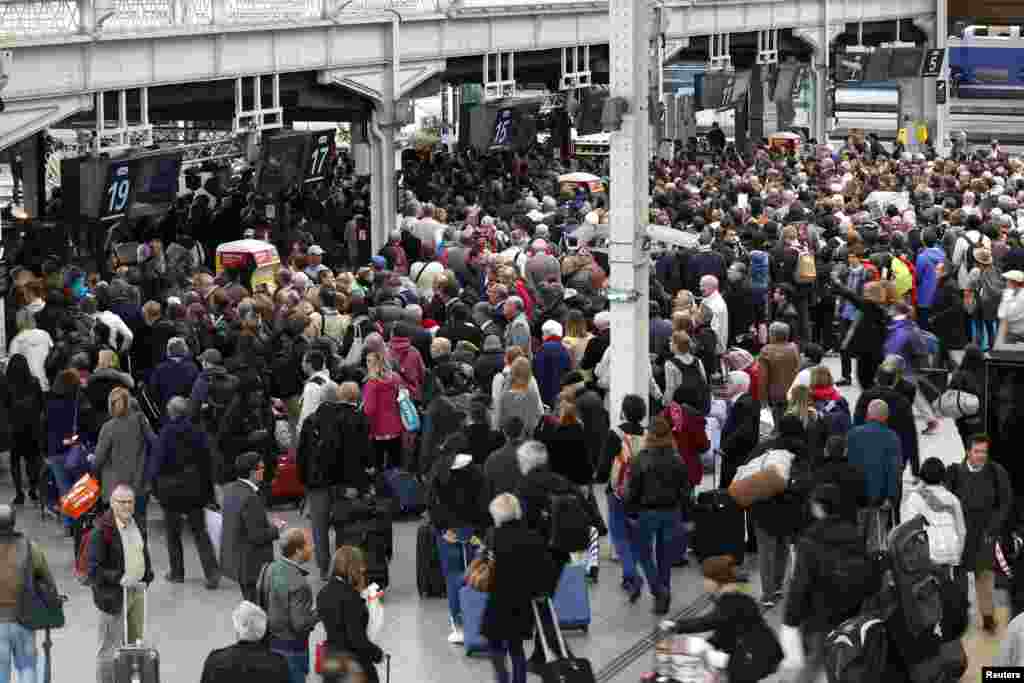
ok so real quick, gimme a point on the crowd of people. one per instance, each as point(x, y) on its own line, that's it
point(472, 353)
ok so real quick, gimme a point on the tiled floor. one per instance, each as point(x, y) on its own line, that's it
point(188, 621)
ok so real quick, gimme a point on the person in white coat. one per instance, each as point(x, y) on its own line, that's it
point(34, 344)
point(947, 529)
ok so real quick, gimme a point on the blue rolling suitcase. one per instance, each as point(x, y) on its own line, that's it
point(572, 598)
point(404, 487)
point(473, 604)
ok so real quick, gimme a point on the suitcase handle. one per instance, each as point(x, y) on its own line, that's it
point(549, 656)
point(145, 614)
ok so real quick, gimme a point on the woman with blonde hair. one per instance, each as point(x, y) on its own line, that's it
point(380, 404)
point(520, 397)
point(344, 613)
point(120, 456)
point(576, 336)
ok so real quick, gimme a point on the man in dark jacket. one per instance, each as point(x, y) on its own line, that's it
point(832, 576)
point(247, 540)
point(489, 363)
point(538, 485)
point(741, 430)
point(848, 478)
point(175, 375)
point(502, 466)
point(334, 445)
point(182, 460)
point(901, 414)
point(249, 659)
point(119, 565)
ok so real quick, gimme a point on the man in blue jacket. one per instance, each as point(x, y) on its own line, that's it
point(927, 278)
point(175, 375)
point(875, 448)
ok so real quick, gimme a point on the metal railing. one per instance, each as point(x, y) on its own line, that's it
point(26, 20)
point(23, 20)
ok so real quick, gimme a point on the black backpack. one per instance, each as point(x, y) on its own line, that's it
point(917, 587)
point(285, 377)
point(857, 650)
point(570, 523)
point(693, 389)
point(221, 391)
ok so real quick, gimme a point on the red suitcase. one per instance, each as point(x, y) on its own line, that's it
point(286, 484)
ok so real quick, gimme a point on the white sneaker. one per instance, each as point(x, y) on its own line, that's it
point(456, 637)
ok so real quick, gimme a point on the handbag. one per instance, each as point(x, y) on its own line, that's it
point(338, 663)
point(480, 576)
point(81, 497)
point(45, 608)
point(957, 404)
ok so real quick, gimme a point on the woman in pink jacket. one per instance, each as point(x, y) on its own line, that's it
point(380, 403)
point(407, 361)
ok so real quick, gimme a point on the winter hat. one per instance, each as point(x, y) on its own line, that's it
point(551, 328)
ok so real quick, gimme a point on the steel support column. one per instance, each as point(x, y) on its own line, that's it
point(383, 212)
point(630, 66)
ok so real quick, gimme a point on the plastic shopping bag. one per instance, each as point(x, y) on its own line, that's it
point(373, 594)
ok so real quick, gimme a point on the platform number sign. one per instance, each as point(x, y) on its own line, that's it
point(118, 193)
point(933, 61)
point(728, 88)
point(503, 128)
point(319, 158)
point(940, 92)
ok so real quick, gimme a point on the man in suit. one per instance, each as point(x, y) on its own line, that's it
point(249, 534)
point(250, 658)
point(742, 428)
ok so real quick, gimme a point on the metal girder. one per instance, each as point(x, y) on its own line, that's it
point(768, 46)
point(123, 135)
point(503, 83)
point(258, 119)
point(719, 58)
point(575, 68)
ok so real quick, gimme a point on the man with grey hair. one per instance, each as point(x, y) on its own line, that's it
point(536, 491)
point(517, 332)
point(249, 659)
point(779, 363)
point(180, 468)
point(33, 343)
point(715, 312)
point(120, 570)
point(176, 375)
point(876, 450)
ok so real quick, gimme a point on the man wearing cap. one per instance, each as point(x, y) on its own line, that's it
point(314, 263)
point(176, 375)
point(551, 363)
point(1011, 309)
point(599, 343)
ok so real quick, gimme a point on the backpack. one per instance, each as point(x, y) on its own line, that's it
point(570, 523)
point(967, 262)
point(284, 373)
point(760, 275)
point(848, 574)
point(24, 411)
point(316, 472)
point(333, 326)
point(902, 275)
point(622, 464)
point(806, 268)
point(693, 388)
point(836, 416)
point(355, 352)
point(857, 650)
point(220, 392)
point(990, 292)
point(919, 591)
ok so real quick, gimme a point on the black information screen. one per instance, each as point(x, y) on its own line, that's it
point(116, 197)
point(320, 157)
point(906, 63)
point(284, 161)
point(157, 181)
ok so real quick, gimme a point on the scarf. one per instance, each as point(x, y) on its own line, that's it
point(828, 393)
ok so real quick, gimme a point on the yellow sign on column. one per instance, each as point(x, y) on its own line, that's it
point(922, 132)
point(902, 137)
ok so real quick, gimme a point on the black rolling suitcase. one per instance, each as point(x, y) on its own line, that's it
point(136, 663)
point(560, 666)
point(719, 524)
point(374, 534)
point(429, 579)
